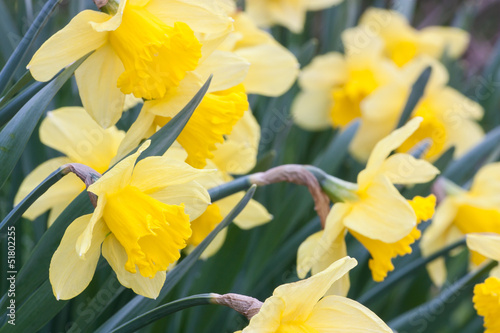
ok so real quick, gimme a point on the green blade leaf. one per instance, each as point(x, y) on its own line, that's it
point(163, 311)
point(417, 91)
point(140, 304)
point(14, 105)
point(15, 134)
point(23, 81)
point(22, 48)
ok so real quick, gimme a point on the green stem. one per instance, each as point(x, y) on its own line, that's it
point(425, 311)
point(232, 187)
point(163, 311)
point(19, 210)
point(405, 271)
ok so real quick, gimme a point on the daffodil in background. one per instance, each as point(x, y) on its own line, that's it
point(403, 43)
point(373, 211)
point(463, 212)
point(141, 220)
point(288, 13)
point(301, 307)
point(145, 48)
point(487, 295)
point(71, 131)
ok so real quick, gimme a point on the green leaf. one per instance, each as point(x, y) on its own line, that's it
point(15, 134)
point(417, 91)
point(15, 104)
point(463, 168)
point(163, 311)
point(405, 7)
point(140, 304)
point(23, 81)
point(22, 48)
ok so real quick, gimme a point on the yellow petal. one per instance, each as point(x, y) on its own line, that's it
point(324, 72)
point(253, 215)
point(157, 172)
point(487, 244)
point(113, 22)
point(311, 110)
point(215, 245)
point(85, 239)
point(381, 213)
point(405, 169)
point(204, 224)
point(273, 69)
point(435, 40)
point(235, 158)
point(61, 193)
point(439, 75)
point(55, 212)
point(70, 273)
point(193, 195)
point(119, 175)
point(301, 297)
point(68, 45)
point(486, 302)
point(361, 44)
point(96, 79)
point(487, 181)
point(228, 70)
point(340, 314)
point(73, 132)
point(117, 257)
point(385, 146)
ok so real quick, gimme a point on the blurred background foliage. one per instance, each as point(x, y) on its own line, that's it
point(254, 262)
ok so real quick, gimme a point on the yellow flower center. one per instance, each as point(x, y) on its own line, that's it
point(431, 128)
point(204, 224)
point(382, 253)
point(487, 303)
point(151, 232)
point(402, 51)
point(156, 57)
point(347, 99)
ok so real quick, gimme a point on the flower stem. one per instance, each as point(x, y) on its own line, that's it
point(405, 271)
point(229, 188)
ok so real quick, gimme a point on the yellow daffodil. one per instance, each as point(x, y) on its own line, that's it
point(146, 49)
point(301, 307)
point(334, 86)
point(74, 133)
point(402, 42)
point(374, 212)
point(487, 295)
point(142, 219)
point(235, 156)
point(288, 13)
point(273, 69)
point(463, 212)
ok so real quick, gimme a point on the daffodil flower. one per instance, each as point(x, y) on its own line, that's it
point(146, 49)
point(142, 219)
point(301, 307)
point(487, 295)
point(463, 212)
point(74, 133)
point(374, 212)
point(334, 86)
point(403, 43)
point(288, 13)
point(273, 68)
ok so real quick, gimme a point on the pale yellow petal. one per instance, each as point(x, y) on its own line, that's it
point(301, 297)
point(246, 130)
point(157, 172)
point(405, 169)
point(70, 273)
point(413, 69)
point(73, 132)
point(324, 72)
point(273, 69)
point(361, 44)
point(306, 254)
point(367, 136)
point(112, 23)
point(61, 193)
point(253, 215)
point(96, 79)
point(68, 45)
point(339, 314)
point(435, 40)
point(228, 69)
point(487, 181)
point(85, 240)
point(321, 4)
point(55, 212)
point(116, 256)
point(311, 110)
point(193, 195)
point(382, 213)
point(234, 157)
point(487, 244)
point(215, 245)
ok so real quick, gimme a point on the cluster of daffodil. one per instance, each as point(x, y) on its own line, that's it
point(152, 57)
